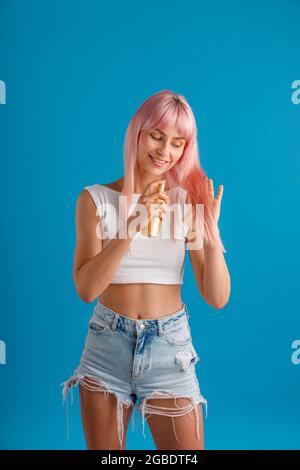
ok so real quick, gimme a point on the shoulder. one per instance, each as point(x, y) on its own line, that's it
point(86, 209)
point(89, 198)
point(115, 185)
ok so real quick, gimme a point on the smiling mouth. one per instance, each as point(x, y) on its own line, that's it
point(156, 161)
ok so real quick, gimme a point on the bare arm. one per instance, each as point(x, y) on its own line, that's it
point(216, 278)
point(94, 267)
point(211, 272)
point(212, 276)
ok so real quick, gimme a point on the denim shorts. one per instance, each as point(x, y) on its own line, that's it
point(139, 359)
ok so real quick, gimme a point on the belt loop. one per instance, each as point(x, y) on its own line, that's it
point(160, 328)
point(114, 322)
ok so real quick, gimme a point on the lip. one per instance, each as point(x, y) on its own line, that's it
point(157, 164)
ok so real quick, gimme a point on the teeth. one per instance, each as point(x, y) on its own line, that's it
point(157, 160)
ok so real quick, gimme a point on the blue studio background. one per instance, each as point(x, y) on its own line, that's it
point(72, 75)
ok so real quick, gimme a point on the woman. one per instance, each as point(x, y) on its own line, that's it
point(139, 348)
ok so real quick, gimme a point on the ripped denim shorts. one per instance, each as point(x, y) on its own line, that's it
point(129, 358)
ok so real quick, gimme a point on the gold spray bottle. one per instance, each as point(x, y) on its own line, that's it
point(152, 228)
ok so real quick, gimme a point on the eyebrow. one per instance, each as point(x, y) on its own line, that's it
point(165, 134)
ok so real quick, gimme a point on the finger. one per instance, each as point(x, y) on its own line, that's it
point(160, 195)
point(154, 185)
point(220, 192)
point(211, 187)
point(157, 200)
point(164, 207)
point(158, 182)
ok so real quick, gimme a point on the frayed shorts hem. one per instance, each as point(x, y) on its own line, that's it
point(94, 384)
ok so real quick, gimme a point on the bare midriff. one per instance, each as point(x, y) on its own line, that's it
point(141, 301)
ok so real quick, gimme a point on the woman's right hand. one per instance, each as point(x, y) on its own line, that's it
point(152, 195)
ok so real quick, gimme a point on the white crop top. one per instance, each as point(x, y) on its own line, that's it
point(150, 260)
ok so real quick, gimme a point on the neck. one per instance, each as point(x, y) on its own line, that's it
point(143, 180)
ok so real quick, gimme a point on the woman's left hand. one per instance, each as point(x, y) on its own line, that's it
point(214, 202)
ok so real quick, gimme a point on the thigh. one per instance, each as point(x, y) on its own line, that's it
point(178, 430)
point(99, 413)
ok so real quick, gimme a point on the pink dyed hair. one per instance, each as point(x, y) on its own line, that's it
point(167, 109)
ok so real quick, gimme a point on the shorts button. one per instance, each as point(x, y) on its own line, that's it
point(142, 326)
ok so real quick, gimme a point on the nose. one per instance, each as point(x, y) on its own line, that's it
point(163, 150)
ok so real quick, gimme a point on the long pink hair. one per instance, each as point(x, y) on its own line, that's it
point(166, 109)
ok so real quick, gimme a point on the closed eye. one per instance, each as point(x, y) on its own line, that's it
point(159, 138)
